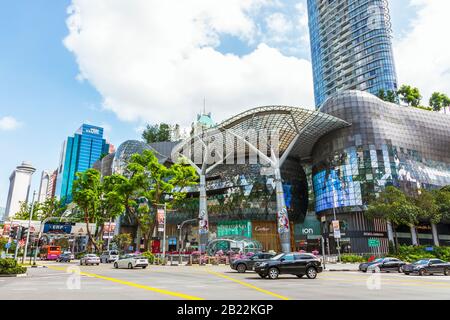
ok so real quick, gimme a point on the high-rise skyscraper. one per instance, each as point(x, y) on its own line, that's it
point(351, 47)
point(19, 188)
point(78, 154)
point(47, 186)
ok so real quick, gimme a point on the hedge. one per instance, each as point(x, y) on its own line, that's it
point(10, 266)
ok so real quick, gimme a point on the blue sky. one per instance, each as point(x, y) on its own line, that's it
point(39, 86)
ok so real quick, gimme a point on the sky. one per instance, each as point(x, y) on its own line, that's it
point(121, 64)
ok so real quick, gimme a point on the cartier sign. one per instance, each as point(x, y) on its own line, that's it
point(262, 229)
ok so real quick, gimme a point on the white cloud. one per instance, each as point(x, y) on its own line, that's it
point(422, 56)
point(8, 123)
point(156, 60)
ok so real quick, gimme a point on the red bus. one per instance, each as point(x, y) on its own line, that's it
point(50, 252)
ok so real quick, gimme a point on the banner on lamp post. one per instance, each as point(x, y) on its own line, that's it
point(161, 218)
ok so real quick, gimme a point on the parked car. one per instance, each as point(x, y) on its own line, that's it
point(71, 255)
point(243, 265)
point(299, 264)
point(90, 259)
point(64, 257)
point(427, 267)
point(109, 256)
point(131, 261)
point(383, 265)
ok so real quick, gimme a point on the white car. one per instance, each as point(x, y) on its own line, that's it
point(131, 261)
point(90, 259)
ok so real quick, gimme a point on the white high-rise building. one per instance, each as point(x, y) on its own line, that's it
point(43, 187)
point(19, 188)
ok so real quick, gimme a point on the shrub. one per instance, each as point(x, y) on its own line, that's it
point(348, 258)
point(10, 266)
point(150, 257)
point(411, 253)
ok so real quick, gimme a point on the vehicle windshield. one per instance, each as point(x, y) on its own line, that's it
point(421, 262)
point(378, 260)
point(277, 257)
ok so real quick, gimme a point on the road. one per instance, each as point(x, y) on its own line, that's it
point(73, 282)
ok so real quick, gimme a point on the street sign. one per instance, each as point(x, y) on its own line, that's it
point(8, 245)
point(429, 249)
point(374, 243)
point(336, 229)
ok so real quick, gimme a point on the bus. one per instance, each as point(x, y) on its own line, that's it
point(50, 252)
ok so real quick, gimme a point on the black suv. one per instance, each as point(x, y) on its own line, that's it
point(242, 265)
point(298, 264)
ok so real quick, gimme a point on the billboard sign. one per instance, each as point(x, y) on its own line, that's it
point(336, 229)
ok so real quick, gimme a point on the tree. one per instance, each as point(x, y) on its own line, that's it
point(442, 198)
point(86, 194)
point(429, 209)
point(410, 95)
point(382, 94)
point(157, 133)
point(445, 102)
point(151, 184)
point(24, 211)
point(122, 241)
point(436, 101)
point(391, 96)
point(51, 207)
point(395, 207)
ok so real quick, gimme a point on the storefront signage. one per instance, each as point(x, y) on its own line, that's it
point(262, 229)
point(58, 228)
point(235, 228)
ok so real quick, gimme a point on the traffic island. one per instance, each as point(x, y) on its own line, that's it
point(10, 268)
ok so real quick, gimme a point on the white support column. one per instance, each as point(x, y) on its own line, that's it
point(203, 215)
point(283, 224)
point(435, 234)
point(390, 232)
point(414, 235)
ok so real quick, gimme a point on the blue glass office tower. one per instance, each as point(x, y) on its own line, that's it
point(351, 47)
point(78, 154)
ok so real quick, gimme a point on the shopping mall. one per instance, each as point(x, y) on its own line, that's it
point(328, 162)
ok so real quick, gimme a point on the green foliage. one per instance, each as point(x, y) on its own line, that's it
point(388, 96)
point(438, 101)
point(122, 241)
point(394, 206)
point(157, 133)
point(150, 184)
point(51, 207)
point(3, 242)
point(411, 253)
point(348, 258)
point(150, 257)
point(410, 95)
point(10, 266)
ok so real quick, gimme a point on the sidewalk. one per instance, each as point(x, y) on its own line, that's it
point(342, 267)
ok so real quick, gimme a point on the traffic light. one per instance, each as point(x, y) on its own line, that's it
point(13, 232)
point(23, 232)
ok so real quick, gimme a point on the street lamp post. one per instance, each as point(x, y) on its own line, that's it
point(181, 242)
point(338, 242)
point(29, 227)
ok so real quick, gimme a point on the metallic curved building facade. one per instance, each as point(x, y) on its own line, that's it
point(386, 145)
point(334, 161)
point(351, 46)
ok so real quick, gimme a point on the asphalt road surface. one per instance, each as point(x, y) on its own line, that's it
point(73, 282)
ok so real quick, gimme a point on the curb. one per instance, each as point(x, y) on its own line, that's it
point(13, 275)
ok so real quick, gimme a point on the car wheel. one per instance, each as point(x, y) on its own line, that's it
point(130, 266)
point(241, 268)
point(422, 272)
point(300, 276)
point(311, 273)
point(116, 266)
point(263, 276)
point(81, 263)
point(365, 271)
point(273, 273)
point(407, 273)
point(400, 270)
point(445, 272)
point(144, 267)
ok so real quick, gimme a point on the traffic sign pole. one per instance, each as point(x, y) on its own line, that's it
point(29, 227)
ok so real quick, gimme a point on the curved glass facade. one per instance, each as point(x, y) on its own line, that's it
point(124, 153)
point(351, 46)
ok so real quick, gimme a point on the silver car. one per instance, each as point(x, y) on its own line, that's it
point(109, 256)
point(90, 259)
